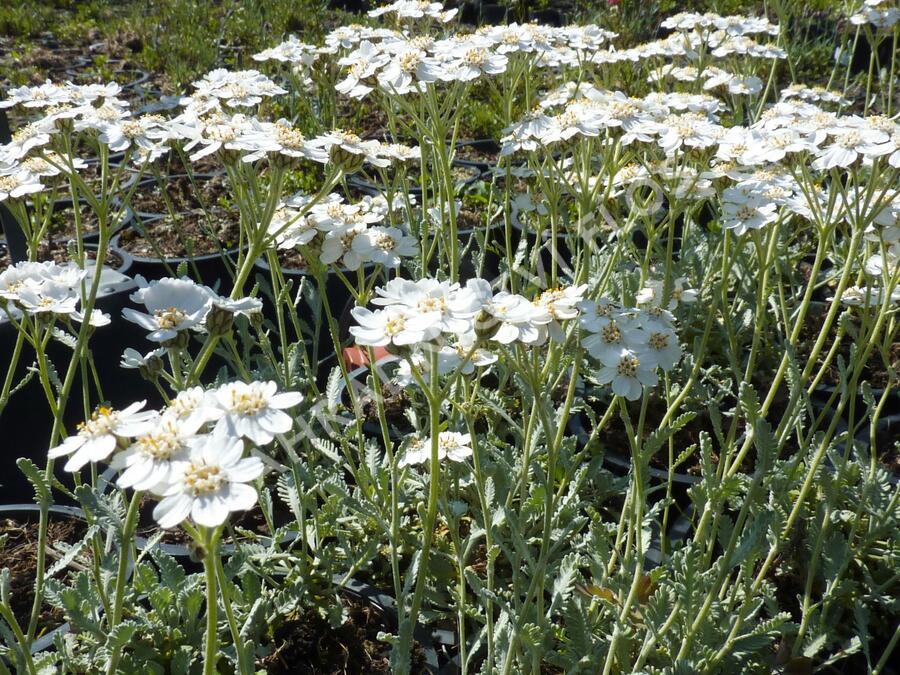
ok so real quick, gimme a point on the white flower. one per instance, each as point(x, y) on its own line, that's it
point(240, 307)
point(385, 245)
point(663, 349)
point(40, 96)
point(49, 298)
point(849, 144)
point(620, 332)
point(191, 406)
point(289, 51)
point(451, 445)
point(147, 463)
point(253, 410)
point(19, 184)
point(744, 210)
point(651, 293)
point(174, 305)
point(518, 318)
point(595, 314)
point(210, 483)
point(361, 64)
point(242, 88)
point(132, 358)
point(99, 436)
point(431, 305)
point(628, 372)
point(471, 59)
point(386, 326)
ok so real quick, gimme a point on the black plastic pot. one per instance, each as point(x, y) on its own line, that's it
point(213, 269)
point(426, 637)
point(384, 368)
point(543, 262)
point(487, 146)
point(149, 180)
point(26, 422)
point(31, 513)
point(492, 15)
point(339, 299)
point(823, 393)
point(125, 221)
point(621, 464)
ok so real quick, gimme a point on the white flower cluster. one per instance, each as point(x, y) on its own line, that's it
point(416, 312)
point(415, 9)
point(191, 454)
point(710, 34)
point(45, 289)
point(178, 305)
point(399, 65)
point(452, 446)
point(630, 344)
point(878, 13)
point(347, 235)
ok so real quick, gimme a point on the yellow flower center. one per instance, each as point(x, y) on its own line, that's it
point(203, 479)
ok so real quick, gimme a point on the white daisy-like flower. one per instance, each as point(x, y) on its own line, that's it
point(383, 327)
point(254, 410)
point(19, 184)
point(621, 332)
point(147, 463)
point(452, 446)
point(628, 372)
point(662, 350)
point(98, 437)
point(518, 319)
point(133, 359)
point(209, 484)
point(191, 406)
point(744, 210)
point(49, 298)
point(173, 305)
point(385, 246)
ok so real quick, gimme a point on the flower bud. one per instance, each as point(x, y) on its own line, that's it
point(178, 342)
point(219, 321)
point(486, 326)
point(346, 161)
point(151, 369)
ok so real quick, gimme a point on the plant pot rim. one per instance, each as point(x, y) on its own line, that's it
point(115, 244)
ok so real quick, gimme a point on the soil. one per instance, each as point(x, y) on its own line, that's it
point(19, 554)
point(475, 153)
point(311, 646)
point(291, 260)
point(251, 520)
point(194, 233)
point(396, 401)
point(470, 218)
point(62, 223)
point(181, 194)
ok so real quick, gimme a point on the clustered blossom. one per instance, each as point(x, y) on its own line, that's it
point(460, 322)
point(191, 454)
point(877, 13)
point(399, 65)
point(45, 289)
point(451, 445)
point(175, 306)
point(629, 343)
point(337, 233)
